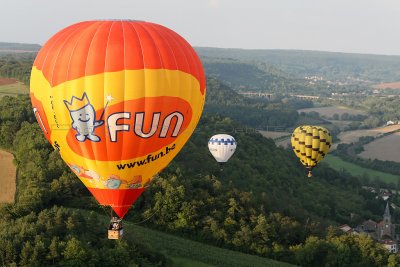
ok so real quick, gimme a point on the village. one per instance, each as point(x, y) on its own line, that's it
point(382, 231)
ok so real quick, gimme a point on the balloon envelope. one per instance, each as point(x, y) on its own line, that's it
point(222, 147)
point(118, 99)
point(311, 144)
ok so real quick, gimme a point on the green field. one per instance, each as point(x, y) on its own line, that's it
point(13, 89)
point(355, 170)
point(184, 253)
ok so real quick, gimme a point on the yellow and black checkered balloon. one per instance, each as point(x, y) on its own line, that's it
point(311, 144)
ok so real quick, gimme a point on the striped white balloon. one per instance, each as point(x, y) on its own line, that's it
point(222, 147)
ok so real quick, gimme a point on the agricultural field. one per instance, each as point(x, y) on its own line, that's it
point(338, 164)
point(275, 135)
point(12, 87)
point(187, 253)
point(329, 111)
point(280, 138)
point(342, 125)
point(394, 85)
point(6, 81)
point(385, 148)
point(353, 136)
point(8, 174)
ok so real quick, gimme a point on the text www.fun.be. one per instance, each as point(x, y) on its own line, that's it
point(148, 159)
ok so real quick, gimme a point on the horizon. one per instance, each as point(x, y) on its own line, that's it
point(247, 49)
point(358, 26)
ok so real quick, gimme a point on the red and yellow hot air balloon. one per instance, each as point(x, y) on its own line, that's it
point(118, 99)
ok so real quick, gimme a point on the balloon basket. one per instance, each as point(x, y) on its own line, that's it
point(115, 229)
point(115, 234)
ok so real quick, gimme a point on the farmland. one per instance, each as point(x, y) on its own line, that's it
point(7, 177)
point(275, 135)
point(393, 85)
point(6, 81)
point(385, 148)
point(353, 136)
point(329, 111)
point(281, 139)
point(12, 87)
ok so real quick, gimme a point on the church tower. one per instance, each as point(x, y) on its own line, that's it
point(385, 228)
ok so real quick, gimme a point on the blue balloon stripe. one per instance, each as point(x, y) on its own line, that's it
point(222, 141)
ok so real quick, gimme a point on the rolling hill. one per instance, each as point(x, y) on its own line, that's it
point(18, 47)
point(260, 203)
point(300, 63)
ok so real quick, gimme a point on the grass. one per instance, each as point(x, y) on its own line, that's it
point(338, 164)
point(184, 252)
point(13, 89)
point(184, 262)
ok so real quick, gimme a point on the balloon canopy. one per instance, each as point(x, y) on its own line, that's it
point(222, 147)
point(311, 144)
point(118, 99)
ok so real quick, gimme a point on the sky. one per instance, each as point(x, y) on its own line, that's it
point(356, 26)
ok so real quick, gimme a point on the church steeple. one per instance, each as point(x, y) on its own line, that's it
point(385, 228)
point(386, 216)
point(387, 211)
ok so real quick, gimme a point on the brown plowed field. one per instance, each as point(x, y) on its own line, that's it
point(386, 148)
point(5, 81)
point(395, 85)
point(8, 173)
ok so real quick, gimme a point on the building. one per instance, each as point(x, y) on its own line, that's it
point(345, 228)
point(386, 230)
point(368, 227)
point(383, 231)
point(389, 245)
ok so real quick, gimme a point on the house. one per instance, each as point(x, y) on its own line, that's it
point(348, 230)
point(389, 245)
point(386, 195)
point(390, 123)
point(345, 228)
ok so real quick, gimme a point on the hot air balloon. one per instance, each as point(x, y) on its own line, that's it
point(118, 99)
point(311, 144)
point(222, 147)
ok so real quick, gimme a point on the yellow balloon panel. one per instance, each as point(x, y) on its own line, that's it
point(117, 130)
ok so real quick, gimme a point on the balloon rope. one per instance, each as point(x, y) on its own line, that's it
point(131, 223)
point(145, 220)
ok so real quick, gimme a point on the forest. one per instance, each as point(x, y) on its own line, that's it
point(261, 203)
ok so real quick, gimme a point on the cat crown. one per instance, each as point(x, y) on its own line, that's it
point(77, 103)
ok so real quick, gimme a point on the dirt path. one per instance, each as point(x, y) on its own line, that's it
point(8, 173)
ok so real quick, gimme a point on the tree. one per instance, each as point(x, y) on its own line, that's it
point(75, 254)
